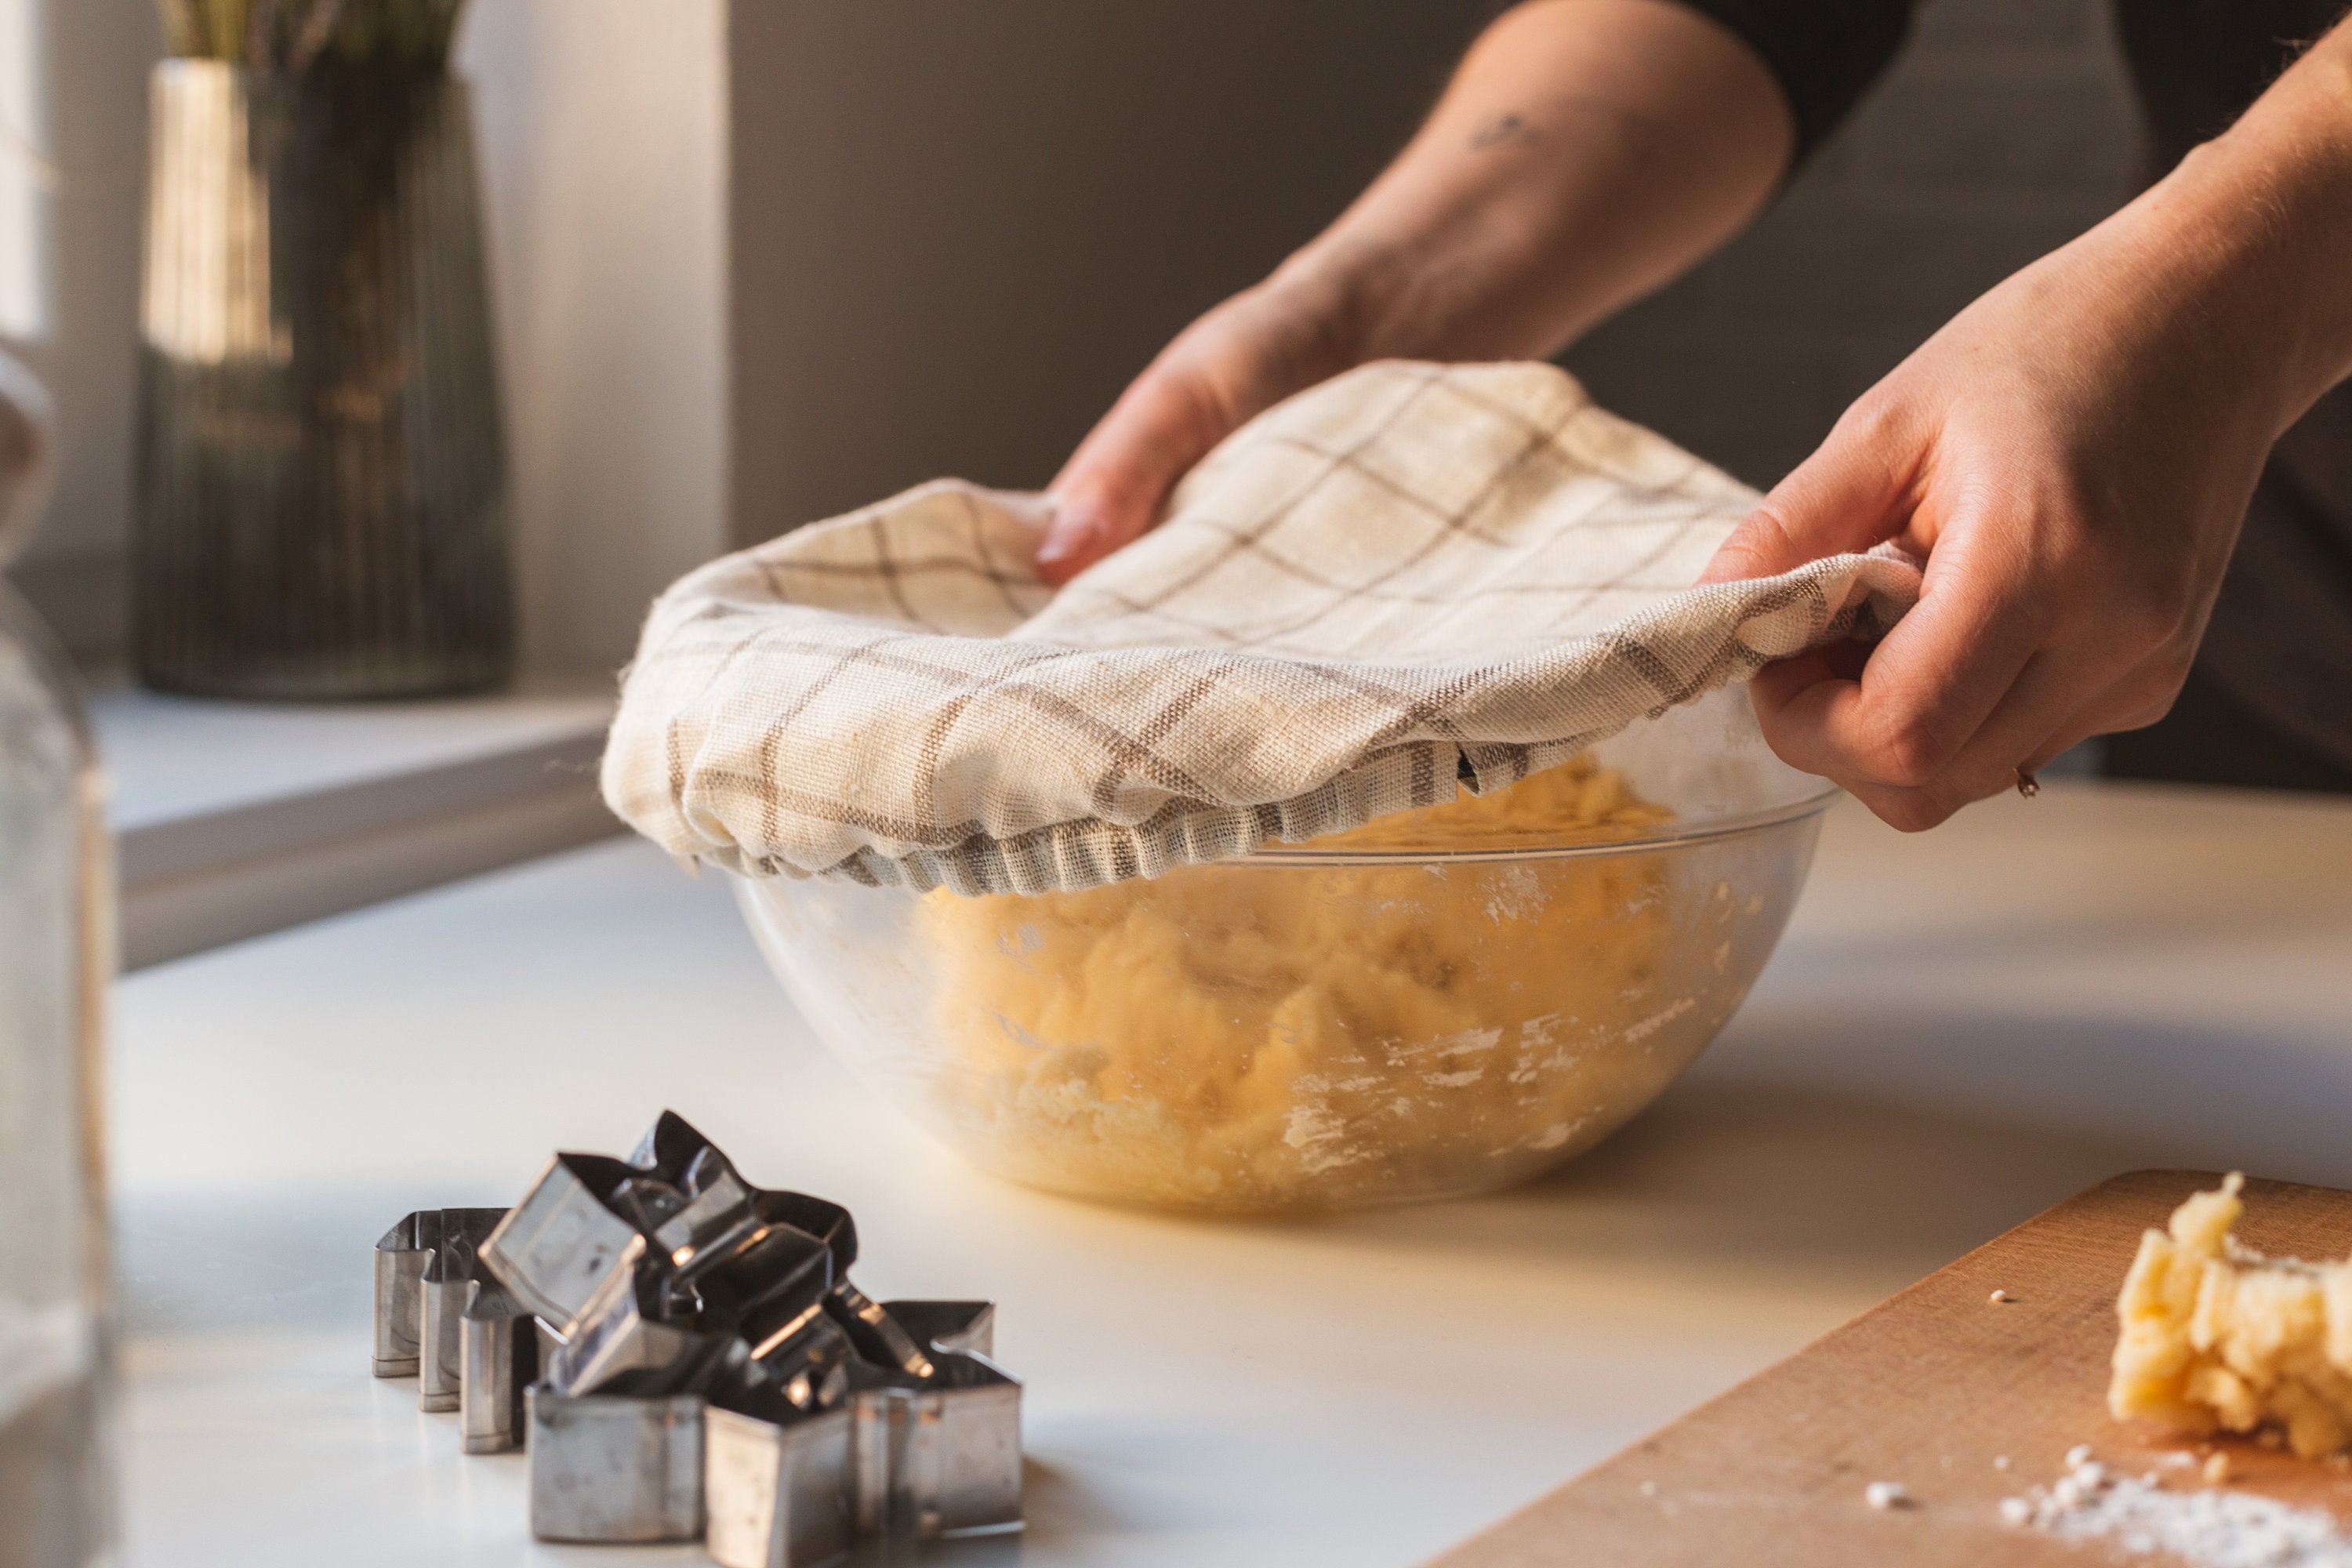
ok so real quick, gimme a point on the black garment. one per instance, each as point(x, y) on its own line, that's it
point(1826, 53)
point(2208, 739)
point(2278, 652)
point(2273, 683)
point(2197, 63)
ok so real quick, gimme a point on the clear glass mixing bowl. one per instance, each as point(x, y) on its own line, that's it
point(1314, 1029)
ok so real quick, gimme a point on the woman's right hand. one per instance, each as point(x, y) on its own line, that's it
point(1244, 356)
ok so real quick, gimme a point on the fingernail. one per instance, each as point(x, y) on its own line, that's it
point(1071, 532)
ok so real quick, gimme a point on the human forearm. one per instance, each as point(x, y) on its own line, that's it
point(2072, 456)
point(2248, 243)
point(1585, 153)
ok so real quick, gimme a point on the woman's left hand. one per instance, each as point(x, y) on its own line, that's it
point(2071, 456)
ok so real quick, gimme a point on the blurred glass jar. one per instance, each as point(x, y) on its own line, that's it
point(56, 946)
point(321, 473)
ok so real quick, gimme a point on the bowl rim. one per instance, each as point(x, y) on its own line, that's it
point(1668, 836)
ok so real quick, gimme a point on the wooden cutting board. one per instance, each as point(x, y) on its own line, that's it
point(1926, 1389)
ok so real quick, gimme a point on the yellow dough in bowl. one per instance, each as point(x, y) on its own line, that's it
point(1263, 1037)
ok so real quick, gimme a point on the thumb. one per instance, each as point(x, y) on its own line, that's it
point(1848, 496)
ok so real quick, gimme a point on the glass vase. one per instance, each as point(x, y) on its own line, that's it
point(56, 946)
point(322, 472)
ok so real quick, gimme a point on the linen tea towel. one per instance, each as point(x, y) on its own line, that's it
point(1410, 574)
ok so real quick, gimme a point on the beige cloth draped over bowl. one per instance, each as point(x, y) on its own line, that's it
point(1410, 574)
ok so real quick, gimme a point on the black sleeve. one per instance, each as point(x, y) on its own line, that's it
point(1826, 53)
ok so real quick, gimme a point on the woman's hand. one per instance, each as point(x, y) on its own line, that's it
point(2071, 456)
point(2074, 495)
point(1248, 355)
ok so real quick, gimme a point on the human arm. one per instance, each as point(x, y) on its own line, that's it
point(2071, 456)
point(1585, 152)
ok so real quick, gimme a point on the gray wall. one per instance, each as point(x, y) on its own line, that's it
point(2004, 130)
point(958, 228)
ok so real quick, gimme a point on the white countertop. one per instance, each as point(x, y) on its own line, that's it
point(1960, 1028)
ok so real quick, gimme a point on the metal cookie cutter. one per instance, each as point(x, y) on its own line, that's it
point(706, 1261)
point(676, 1198)
point(445, 1290)
point(500, 1359)
point(812, 1446)
point(940, 1457)
point(778, 1492)
point(620, 1346)
point(558, 1245)
point(948, 1326)
point(879, 1337)
point(614, 1468)
point(402, 1258)
point(756, 1263)
point(777, 1487)
point(399, 1268)
point(655, 1330)
point(615, 1429)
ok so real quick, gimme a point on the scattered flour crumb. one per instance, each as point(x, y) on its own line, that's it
point(1649, 1488)
point(1886, 1494)
point(2204, 1528)
point(2001, 1461)
point(2078, 1455)
point(2000, 1296)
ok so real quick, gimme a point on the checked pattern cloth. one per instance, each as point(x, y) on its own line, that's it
point(1411, 575)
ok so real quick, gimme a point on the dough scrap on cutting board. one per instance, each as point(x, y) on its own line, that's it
point(2217, 1337)
point(1241, 1038)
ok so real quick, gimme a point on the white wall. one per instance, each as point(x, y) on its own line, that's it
point(82, 137)
point(604, 136)
point(603, 149)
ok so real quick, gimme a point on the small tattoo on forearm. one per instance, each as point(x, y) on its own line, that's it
point(1502, 128)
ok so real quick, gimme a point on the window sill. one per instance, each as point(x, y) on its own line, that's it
point(235, 819)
